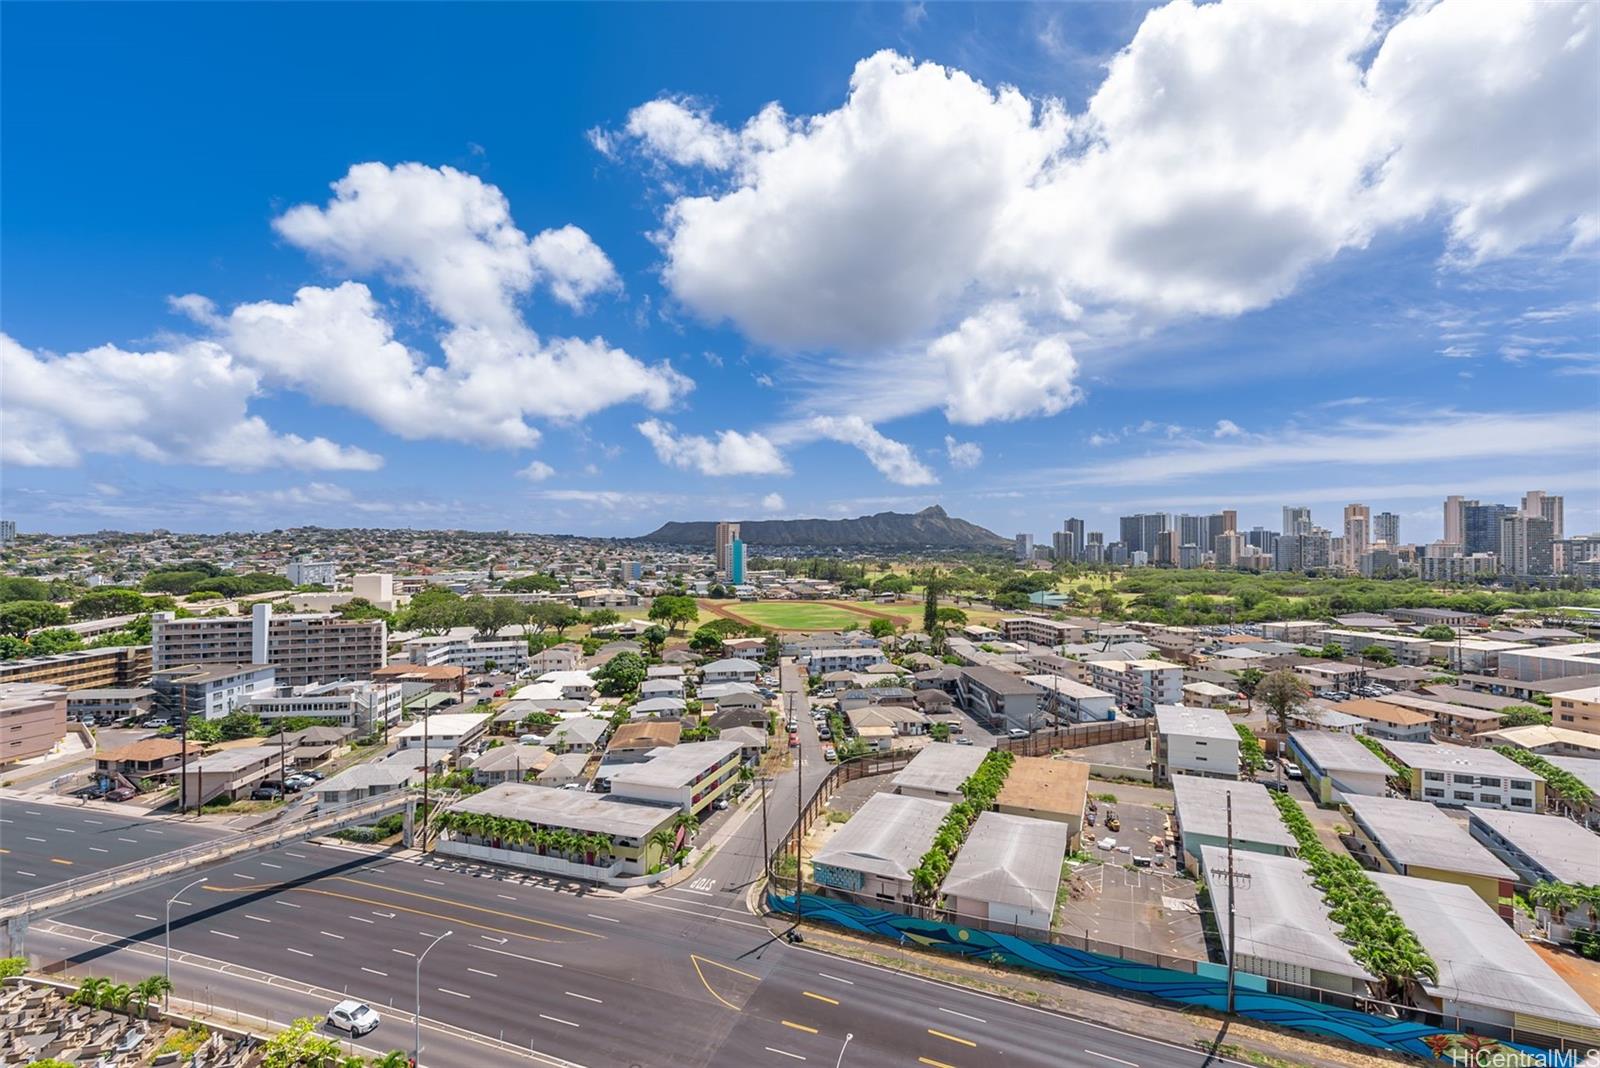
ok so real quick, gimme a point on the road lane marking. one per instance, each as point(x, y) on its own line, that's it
point(686, 890)
point(384, 915)
point(29, 874)
point(361, 919)
point(1109, 1057)
point(286, 904)
point(703, 916)
point(508, 953)
point(97, 823)
point(457, 920)
point(297, 856)
point(330, 934)
point(583, 997)
point(800, 1027)
point(152, 830)
point(953, 1038)
point(819, 997)
point(607, 919)
point(33, 812)
point(302, 952)
point(785, 1053)
point(58, 860)
point(931, 1063)
point(97, 849)
point(142, 916)
point(557, 1019)
point(463, 905)
point(374, 971)
point(31, 838)
point(836, 979)
point(258, 919)
point(133, 841)
point(507, 897)
point(452, 993)
point(224, 934)
point(242, 875)
point(264, 864)
point(963, 1015)
point(407, 952)
point(480, 971)
point(66, 830)
point(435, 882)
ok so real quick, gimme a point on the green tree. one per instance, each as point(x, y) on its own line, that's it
point(19, 617)
point(707, 640)
point(103, 603)
point(1282, 692)
point(12, 966)
point(298, 1046)
point(361, 608)
point(1249, 682)
point(1332, 651)
point(532, 584)
point(674, 610)
point(1523, 715)
point(54, 640)
point(603, 617)
point(19, 588)
point(654, 638)
point(238, 724)
point(952, 617)
point(620, 675)
point(1438, 632)
point(881, 628)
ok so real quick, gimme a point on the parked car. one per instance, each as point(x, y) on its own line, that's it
point(829, 754)
point(298, 782)
point(824, 732)
point(314, 775)
point(720, 804)
point(794, 739)
point(157, 723)
point(1016, 732)
point(266, 793)
point(121, 793)
point(963, 741)
point(354, 1017)
point(1291, 769)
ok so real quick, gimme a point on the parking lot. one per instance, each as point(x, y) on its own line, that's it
point(1139, 829)
point(1144, 909)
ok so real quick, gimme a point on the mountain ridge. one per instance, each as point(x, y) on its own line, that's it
point(931, 528)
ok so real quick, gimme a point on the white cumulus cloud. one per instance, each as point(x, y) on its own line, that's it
point(731, 453)
point(964, 455)
point(892, 459)
point(537, 471)
point(773, 502)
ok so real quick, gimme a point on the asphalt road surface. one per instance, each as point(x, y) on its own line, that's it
point(679, 977)
point(42, 844)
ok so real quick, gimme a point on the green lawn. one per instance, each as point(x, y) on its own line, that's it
point(790, 615)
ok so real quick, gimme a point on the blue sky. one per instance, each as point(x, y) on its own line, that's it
point(578, 274)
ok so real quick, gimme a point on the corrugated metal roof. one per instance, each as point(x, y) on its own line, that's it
point(1010, 860)
point(887, 836)
point(1417, 833)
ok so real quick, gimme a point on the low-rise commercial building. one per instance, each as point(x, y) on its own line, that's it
point(691, 775)
point(1337, 766)
point(1196, 741)
point(1457, 775)
point(1417, 839)
point(938, 771)
point(873, 855)
point(365, 707)
point(1006, 875)
point(1554, 662)
point(1201, 811)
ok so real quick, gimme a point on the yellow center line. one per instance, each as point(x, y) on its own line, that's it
point(952, 1038)
point(933, 1063)
point(799, 1027)
point(697, 961)
point(820, 997)
point(58, 860)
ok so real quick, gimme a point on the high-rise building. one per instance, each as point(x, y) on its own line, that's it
point(1296, 520)
point(1263, 539)
point(726, 534)
point(1386, 528)
point(8, 532)
point(1230, 522)
point(1139, 532)
point(1166, 549)
point(1541, 504)
point(1069, 543)
point(1024, 546)
point(1525, 545)
point(736, 562)
point(1357, 533)
point(305, 649)
point(1229, 549)
point(1480, 526)
point(1455, 526)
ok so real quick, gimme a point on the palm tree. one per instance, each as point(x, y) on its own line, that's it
point(114, 996)
point(393, 1059)
point(688, 823)
point(148, 991)
point(89, 992)
point(518, 832)
point(665, 841)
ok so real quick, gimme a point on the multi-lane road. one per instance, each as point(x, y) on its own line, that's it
point(42, 844)
point(677, 977)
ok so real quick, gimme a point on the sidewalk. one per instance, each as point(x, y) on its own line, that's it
point(1200, 1028)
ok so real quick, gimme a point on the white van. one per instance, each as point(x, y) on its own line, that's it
point(531, 739)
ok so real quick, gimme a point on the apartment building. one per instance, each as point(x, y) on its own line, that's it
point(1406, 650)
point(363, 706)
point(1139, 685)
point(1538, 848)
point(1071, 701)
point(1555, 662)
point(1475, 655)
point(1040, 631)
point(1390, 721)
point(305, 648)
point(1198, 741)
point(999, 699)
point(738, 669)
point(1456, 775)
point(211, 691)
point(826, 661)
point(118, 666)
point(1577, 710)
point(691, 776)
point(1337, 767)
point(33, 717)
point(1417, 839)
point(1295, 631)
point(476, 655)
point(229, 773)
point(110, 704)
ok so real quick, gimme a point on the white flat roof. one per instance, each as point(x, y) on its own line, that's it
point(675, 766)
point(1012, 860)
point(1282, 916)
point(1481, 960)
point(1460, 759)
point(940, 766)
point(1336, 751)
point(575, 810)
point(887, 836)
point(1202, 809)
point(443, 725)
point(1187, 722)
point(1420, 834)
point(1561, 847)
point(1066, 687)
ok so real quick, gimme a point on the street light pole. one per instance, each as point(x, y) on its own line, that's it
point(167, 968)
point(416, 1040)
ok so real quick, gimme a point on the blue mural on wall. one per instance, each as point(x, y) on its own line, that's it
point(1379, 1032)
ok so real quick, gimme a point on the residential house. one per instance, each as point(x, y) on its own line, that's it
point(1007, 873)
point(873, 855)
point(730, 669)
point(1417, 839)
point(635, 741)
point(1337, 766)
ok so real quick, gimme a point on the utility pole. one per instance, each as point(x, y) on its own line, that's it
point(426, 771)
point(283, 777)
point(1233, 897)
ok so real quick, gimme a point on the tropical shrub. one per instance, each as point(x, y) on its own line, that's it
point(1560, 780)
point(1251, 755)
point(977, 796)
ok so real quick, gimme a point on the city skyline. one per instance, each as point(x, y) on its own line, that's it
point(585, 317)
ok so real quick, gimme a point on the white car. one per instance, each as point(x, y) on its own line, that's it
point(355, 1017)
